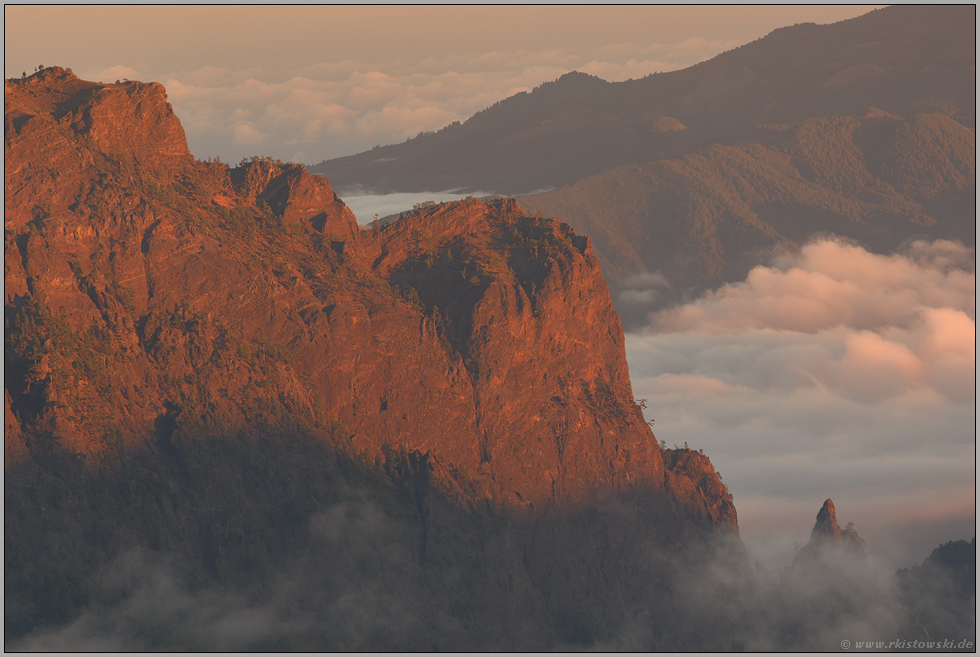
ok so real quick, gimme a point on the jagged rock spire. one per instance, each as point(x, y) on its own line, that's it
point(826, 526)
point(828, 542)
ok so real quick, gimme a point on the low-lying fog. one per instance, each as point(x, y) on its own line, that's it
point(366, 206)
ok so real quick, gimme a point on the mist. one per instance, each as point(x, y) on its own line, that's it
point(359, 583)
point(833, 372)
point(366, 205)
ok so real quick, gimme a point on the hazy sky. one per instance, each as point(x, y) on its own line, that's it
point(312, 83)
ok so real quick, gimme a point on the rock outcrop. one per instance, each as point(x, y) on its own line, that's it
point(829, 544)
point(699, 488)
point(152, 298)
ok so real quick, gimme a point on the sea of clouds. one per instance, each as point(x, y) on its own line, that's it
point(833, 373)
point(322, 108)
point(328, 109)
point(367, 206)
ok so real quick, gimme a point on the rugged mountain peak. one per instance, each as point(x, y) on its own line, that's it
point(129, 119)
point(196, 345)
point(295, 195)
point(154, 299)
point(65, 138)
point(831, 545)
point(826, 527)
point(517, 299)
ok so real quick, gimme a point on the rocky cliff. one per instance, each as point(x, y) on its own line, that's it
point(152, 298)
point(218, 365)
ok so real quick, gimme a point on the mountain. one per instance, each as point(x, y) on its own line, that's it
point(902, 60)
point(708, 217)
point(829, 544)
point(207, 297)
point(941, 595)
point(224, 398)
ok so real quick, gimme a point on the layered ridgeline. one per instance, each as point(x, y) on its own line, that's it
point(708, 217)
point(685, 180)
point(902, 60)
point(224, 397)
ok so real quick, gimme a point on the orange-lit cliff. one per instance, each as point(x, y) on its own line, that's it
point(153, 298)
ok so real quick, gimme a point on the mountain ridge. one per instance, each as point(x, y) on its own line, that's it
point(706, 218)
point(900, 59)
point(216, 368)
point(167, 292)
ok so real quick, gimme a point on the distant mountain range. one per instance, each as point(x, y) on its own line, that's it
point(706, 218)
point(864, 129)
point(902, 60)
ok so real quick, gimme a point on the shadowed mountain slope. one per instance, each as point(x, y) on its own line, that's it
point(902, 60)
point(707, 217)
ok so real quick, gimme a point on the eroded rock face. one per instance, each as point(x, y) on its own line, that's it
point(826, 528)
point(829, 544)
point(697, 487)
point(154, 298)
point(296, 196)
point(522, 303)
point(56, 126)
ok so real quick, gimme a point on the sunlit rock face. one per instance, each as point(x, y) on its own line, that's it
point(219, 366)
point(216, 300)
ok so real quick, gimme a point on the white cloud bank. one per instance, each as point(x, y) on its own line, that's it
point(331, 110)
point(833, 373)
point(366, 206)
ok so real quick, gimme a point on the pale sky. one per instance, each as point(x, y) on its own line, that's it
point(308, 83)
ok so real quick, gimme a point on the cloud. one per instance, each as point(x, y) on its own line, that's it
point(642, 290)
point(331, 110)
point(156, 604)
point(246, 134)
point(365, 206)
point(834, 373)
point(209, 75)
point(328, 109)
point(835, 283)
point(630, 69)
point(356, 574)
point(118, 72)
point(701, 48)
